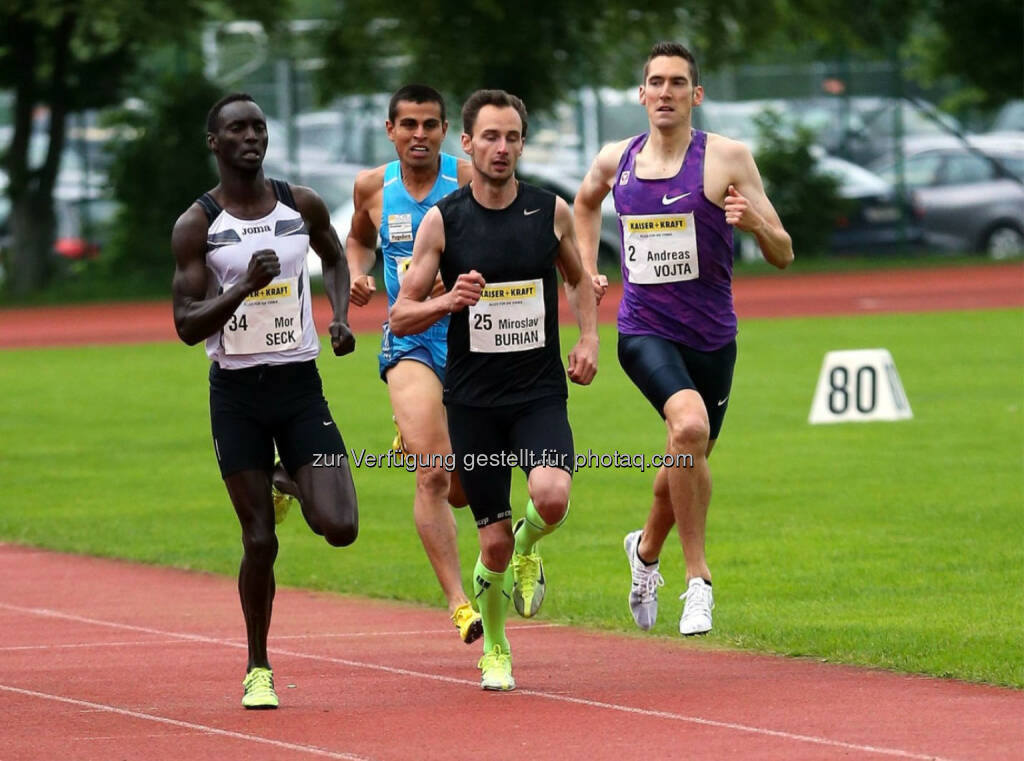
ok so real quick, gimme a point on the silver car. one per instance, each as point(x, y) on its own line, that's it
point(967, 195)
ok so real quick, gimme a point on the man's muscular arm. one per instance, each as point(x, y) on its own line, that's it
point(587, 210)
point(747, 206)
point(578, 285)
point(412, 311)
point(195, 316)
point(361, 243)
point(324, 241)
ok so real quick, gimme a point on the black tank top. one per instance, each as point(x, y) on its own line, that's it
point(515, 355)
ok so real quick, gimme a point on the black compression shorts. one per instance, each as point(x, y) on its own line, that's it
point(489, 441)
point(660, 368)
point(254, 408)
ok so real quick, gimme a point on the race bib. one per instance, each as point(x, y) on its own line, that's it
point(400, 228)
point(268, 320)
point(508, 317)
point(659, 248)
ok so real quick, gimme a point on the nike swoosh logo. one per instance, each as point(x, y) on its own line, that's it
point(722, 401)
point(668, 200)
point(528, 212)
point(331, 422)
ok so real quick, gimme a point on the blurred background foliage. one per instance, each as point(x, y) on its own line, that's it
point(154, 68)
point(787, 164)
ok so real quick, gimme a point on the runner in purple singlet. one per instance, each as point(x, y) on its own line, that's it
point(678, 193)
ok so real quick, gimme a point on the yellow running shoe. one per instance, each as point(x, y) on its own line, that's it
point(396, 443)
point(468, 622)
point(496, 670)
point(259, 689)
point(528, 582)
point(282, 504)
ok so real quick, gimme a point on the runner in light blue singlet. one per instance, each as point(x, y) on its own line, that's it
point(399, 219)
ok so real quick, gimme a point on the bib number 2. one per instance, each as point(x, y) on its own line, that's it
point(660, 248)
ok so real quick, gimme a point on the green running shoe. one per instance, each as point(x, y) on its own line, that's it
point(259, 689)
point(528, 582)
point(496, 670)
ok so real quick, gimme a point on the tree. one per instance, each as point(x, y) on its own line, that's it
point(157, 173)
point(980, 41)
point(977, 43)
point(65, 56)
point(807, 199)
point(537, 49)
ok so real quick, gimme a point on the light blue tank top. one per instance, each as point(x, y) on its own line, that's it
point(401, 215)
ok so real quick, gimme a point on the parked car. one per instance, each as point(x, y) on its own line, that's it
point(83, 227)
point(1010, 118)
point(876, 219)
point(968, 195)
point(858, 128)
point(862, 128)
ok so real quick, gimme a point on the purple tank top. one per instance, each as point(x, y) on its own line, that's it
point(676, 254)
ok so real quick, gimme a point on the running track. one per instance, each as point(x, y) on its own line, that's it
point(103, 660)
point(777, 295)
point(106, 660)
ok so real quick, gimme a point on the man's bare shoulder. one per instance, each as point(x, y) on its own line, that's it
point(727, 148)
point(612, 152)
point(370, 181)
point(308, 201)
point(192, 222)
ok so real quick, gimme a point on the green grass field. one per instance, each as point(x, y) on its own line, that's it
point(898, 545)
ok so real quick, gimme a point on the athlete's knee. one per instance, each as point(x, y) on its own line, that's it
point(260, 545)
point(496, 549)
point(688, 432)
point(550, 497)
point(433, 481)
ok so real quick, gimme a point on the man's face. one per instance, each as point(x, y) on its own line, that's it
point(668, 93)
point(496, 143)
point(241, 137)
point(417, 132)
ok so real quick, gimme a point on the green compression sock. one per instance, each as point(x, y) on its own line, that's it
point(533, 529)
point(492, 599)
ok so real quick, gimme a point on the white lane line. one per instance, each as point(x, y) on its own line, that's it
point(201, 728)
point(178, 638)
point(445, 632)
point(762, 731)
point(78, 645)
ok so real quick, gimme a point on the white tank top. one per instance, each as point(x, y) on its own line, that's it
point(273, 326)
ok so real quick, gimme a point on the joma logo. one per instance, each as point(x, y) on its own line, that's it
point(256, 229)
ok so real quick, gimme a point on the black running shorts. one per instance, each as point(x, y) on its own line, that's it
point(489, 441)
point(254, 408)
point(660, 368)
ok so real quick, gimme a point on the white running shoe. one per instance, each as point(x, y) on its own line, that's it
point(643, 595)
point(696, 618)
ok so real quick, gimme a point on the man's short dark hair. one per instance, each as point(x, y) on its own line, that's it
point(416, 94)
point(482, 98)
point(211, 118)
point(673, 50)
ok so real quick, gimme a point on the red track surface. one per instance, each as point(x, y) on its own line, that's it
point(781, 295)
point(106, 660)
